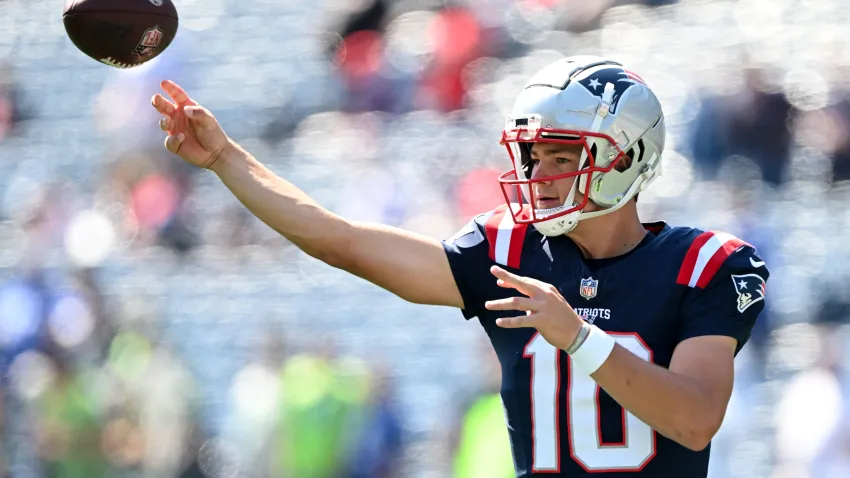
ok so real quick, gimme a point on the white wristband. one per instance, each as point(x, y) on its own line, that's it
point(594, 351)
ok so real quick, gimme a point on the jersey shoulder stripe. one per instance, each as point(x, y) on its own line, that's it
point(705, 255)
point(504, 237)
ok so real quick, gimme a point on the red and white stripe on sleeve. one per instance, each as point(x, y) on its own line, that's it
point(505, 237)
point(705, 256)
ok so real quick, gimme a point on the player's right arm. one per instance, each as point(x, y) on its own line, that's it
point(412, 266)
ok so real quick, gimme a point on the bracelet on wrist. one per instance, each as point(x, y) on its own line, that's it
point(583, 332)
point(593, 351)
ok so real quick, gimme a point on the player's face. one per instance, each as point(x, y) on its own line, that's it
point(552, 160)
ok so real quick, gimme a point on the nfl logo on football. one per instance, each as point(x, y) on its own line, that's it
point(588, 288)
point(150, 40)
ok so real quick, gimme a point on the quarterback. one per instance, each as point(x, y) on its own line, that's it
point(616, 337)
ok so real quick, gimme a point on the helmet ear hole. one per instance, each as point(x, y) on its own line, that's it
point(625, 162)
point(633, 155)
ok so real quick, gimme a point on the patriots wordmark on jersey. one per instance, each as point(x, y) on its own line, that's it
point(676, 284)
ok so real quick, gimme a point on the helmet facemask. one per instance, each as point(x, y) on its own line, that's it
point(519, 184)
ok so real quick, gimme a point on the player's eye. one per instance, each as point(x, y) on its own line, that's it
point(563, 160)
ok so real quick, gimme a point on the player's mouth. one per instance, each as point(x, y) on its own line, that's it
point(548, 202)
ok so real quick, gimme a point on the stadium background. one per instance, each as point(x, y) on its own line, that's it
point(150, 327)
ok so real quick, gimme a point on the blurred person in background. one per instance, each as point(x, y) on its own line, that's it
point(150, 423)
point(377, 446)
point(257, 402)
point(479, 442)
point(68, 424)
point(12, 109)
point(585, 136)
point(828, 130)
point(457, 38)
point(25, 299)
point(813, 413)
point(322, 404)
point(55, 331)
point(752, 123)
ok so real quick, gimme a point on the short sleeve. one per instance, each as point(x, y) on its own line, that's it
point(731, 302)
point(467, 251)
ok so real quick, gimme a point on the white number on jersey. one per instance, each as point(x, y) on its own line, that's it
point(582, 408)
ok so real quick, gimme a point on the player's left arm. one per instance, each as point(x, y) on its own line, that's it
point(685, 402)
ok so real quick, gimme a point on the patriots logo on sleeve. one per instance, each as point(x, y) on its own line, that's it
point(750, 289)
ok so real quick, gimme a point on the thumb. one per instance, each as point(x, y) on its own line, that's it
point(200, 117)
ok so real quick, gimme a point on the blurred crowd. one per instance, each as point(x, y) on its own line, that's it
point(150, 326)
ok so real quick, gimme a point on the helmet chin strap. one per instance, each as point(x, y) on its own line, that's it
point(566, 223)
point(652, 171)
point(559, 225)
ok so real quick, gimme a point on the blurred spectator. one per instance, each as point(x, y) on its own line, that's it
point(322, 413)
point(752, 123)
point(365, 15)
point(68, 425)
point(839, 134)
point(456, 36)
point(814, 413)
point(372, 82)
point(479, 191)
point(24, 301)
point(480, 441)
point(256, 401)
point(12, 109)
point(378, 448)
point(151, 421)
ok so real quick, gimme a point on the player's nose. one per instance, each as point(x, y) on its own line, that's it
point(540, 173)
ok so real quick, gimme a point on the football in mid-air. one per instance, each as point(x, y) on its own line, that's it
point(121, 33)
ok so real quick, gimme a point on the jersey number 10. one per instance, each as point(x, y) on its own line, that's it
point(585, 442)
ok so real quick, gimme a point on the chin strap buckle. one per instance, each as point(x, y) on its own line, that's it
point(651, 171)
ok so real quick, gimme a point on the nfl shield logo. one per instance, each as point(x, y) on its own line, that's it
point(588, 288)
point(151, 39)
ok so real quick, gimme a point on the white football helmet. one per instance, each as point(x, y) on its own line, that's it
point(596, 103)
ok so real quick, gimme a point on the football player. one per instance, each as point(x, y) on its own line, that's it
point(616, 338)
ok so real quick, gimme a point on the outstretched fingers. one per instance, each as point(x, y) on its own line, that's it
point(176, 93)
point(527, 286)
point(512, 303)
point(517, 322)
point(162, 105)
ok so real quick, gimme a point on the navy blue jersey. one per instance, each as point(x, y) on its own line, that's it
point(676, 284)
